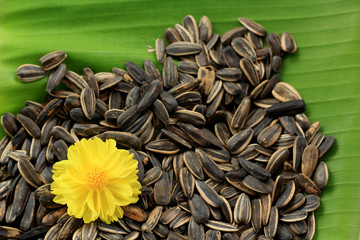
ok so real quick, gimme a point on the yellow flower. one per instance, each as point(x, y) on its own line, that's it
point(96, 180)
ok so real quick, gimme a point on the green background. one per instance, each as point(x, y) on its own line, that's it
point(106, 34)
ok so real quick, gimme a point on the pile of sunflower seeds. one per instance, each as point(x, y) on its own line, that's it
point(224, 149)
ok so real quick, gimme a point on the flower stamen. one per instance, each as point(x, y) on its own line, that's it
point(97, 179)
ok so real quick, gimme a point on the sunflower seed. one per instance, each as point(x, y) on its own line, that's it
point(255, 185)
point(288, 43)
point(30, 73)
point(253, 26)
point(183, 48)
point(285, 92)
point(242, 210)
point(309, 160)
point(170, 73)
point(28, 216)
point(248, 68)
point(312, 202)
point(254, 169)
point(160, 50)
point(286, 108)
point(277, 159)
point(306, 184)
point(221, 226)
point(149, 96)
point(187, 182)
point(227, 37)
point(152, 220)
point(269, 135)
point(286, 195)
point(294, 216)
point(195, 230)
point(326, 145)
point(271, 228)
point(162, 190)
point(274, 42)
point(9, 232)
point(29, 125)
point(321, 175)
point(239, 142)
point(28, 172)
point(243, 48)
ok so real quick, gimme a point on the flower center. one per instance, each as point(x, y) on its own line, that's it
point(97, 179)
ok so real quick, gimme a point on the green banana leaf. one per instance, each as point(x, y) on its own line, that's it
point(106, 34)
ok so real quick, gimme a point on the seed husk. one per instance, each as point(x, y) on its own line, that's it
point(49, 110)
point(195, 230)
point(151, 176)
point(277, 159)
point(172, 35)
point(195, 134)
point(128, 117)
point(188, 67)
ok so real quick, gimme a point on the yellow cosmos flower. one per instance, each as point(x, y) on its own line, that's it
point(96, 180)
